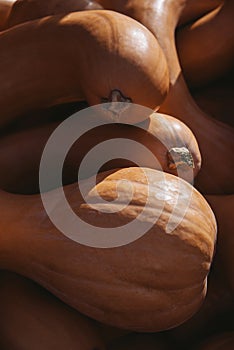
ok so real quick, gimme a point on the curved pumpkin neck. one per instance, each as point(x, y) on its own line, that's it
point(6, 8)
point(14, 209)
point(160, 17)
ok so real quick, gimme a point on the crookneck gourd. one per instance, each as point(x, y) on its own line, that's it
point(172, 147)
point(95, 59)
point(32, 318)
point(13, 12)
point(216, 140)
point(152, 283)
point(205, 47)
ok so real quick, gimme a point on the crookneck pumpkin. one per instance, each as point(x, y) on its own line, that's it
point(32, 318)
point(223, 209)
point(195, 9)
point(153, 283)
point(169, 141)
point(14, 12)
point(216, 141)
point(97, 63)
point(205, 47)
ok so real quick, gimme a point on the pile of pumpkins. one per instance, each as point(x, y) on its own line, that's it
point(166, 289)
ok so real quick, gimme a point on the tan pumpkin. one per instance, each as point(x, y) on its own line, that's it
point(170, 141)
point(14, 12)
point(205, 47)
point(32, 318)
point(95, 63)
point(154, 283)
point(216, 140)
point(223, 209)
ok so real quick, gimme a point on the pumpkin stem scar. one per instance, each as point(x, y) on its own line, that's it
point(116, 108)
point(179, 156)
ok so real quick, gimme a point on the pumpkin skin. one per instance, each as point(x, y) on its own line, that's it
point(20, 152)
point(139, 76)
point(205, 47)
point(141, 290)
point(161, 18)
point(192, 10)
point(19, 11)
point(195, 9)
point(223, 209)
point(32, 318)
point(218, 342)
point(6, 7)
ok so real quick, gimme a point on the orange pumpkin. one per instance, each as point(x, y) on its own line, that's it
point(169, 141)
point(205, 47)
point(76, 66)
point(154, 283)
point(216, 140)
point(32, 318)
point(14, 12)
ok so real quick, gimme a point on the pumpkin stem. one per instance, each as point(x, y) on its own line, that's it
point(116, 96)
point(116, 108)
point(179, 156)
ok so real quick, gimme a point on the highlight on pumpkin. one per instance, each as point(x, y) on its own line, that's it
point(116, 188)
point(51, 175)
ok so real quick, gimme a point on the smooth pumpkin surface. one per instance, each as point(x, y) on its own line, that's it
point(223, 209)
point(19, 11)
point(170, 141)
point(218, 342)
point(151, 284)
point(195, 9)
point(32, 318)
point(76, 66)
point(206, 46)
point(5, 10)
point(216, 140)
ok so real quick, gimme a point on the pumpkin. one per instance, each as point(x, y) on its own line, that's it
point(161, 18)
point(32, 318)
point(205, 47)
point(97, 63)
point(137, 341)
point(169, 140)
point(223, 209)
point(18, 11)
point(147, 284)
point(5, 6)
point(195, 9)
point(219, 341)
